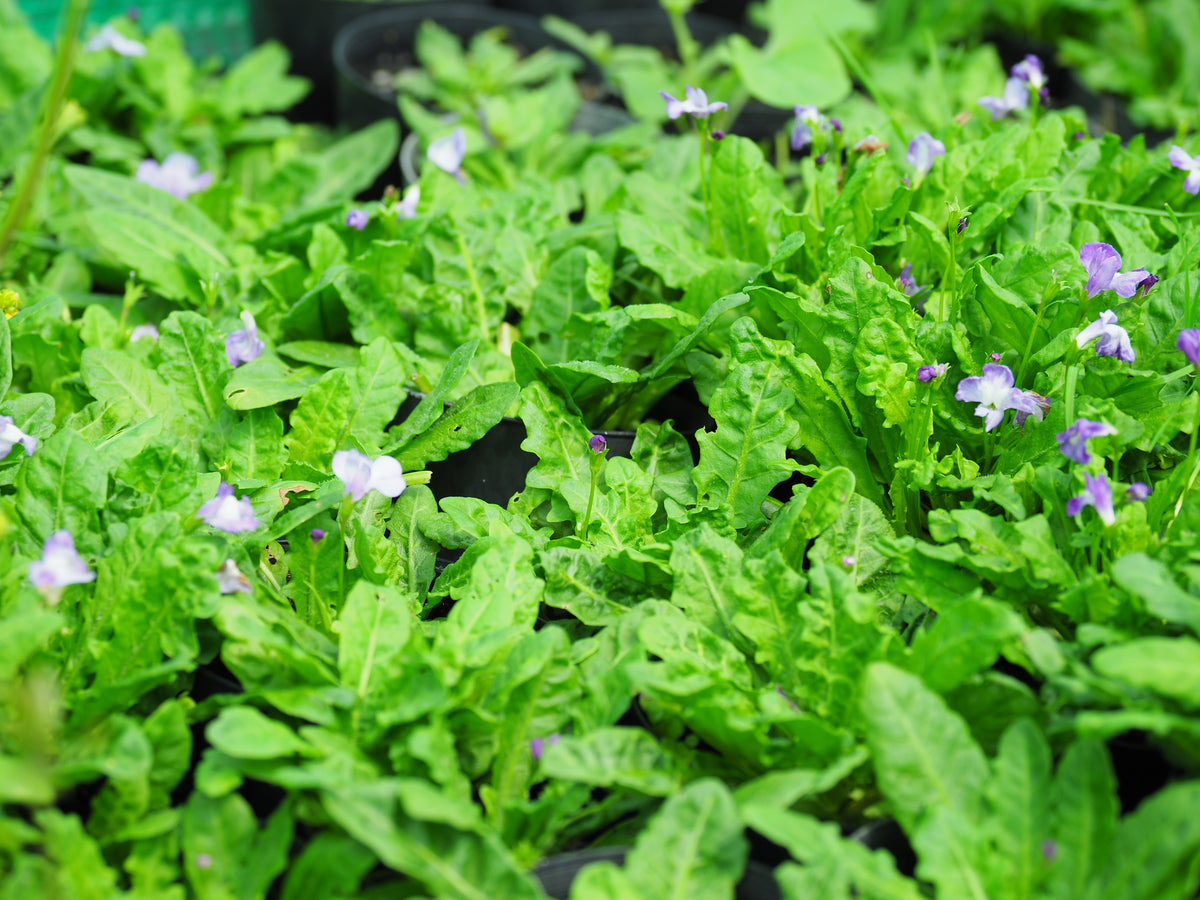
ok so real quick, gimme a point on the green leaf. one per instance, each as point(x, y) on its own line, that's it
point(1158, 848)
point(746, 456)
point(258, 82)
point(614, 757)
point(61, 487)
point(1151, 582)
point(249, 448)
point(663, 246)
point(924, 755)
point(967, 637)
point(460, 426)
point(245, 733)
point(193, 363)
point(1019, 803)
point(121, 380)
point(433, 404)
point(243, 856)
point(331, 865)
point(743, 201)
point(266, 381)
point(1083, 803)
point(375, 625)
point(1168, 666)
point(693, 847)
point(6, 364)
point(781, 72)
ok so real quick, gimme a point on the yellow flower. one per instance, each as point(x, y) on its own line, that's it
point(10, 302)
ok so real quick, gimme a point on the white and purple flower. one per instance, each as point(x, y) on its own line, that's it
point(108, 38)
point(1101, 262)
point(227, 513)
point(407, 207)
point(1016, 96)
point(926, 374)
point(230, 580)
point(244, 345)
point(1097, 493)
point(144, 333)
point(994, 392)
point(448, 153)
point(11, 435)
point(808, 120)
point(1138, 492)
point(923, 150)
point(1073, 441)
point(179, 175)
point(1189, 343)
point(1113, 339)
point(360, 474)
point(357, 219)
point(695, 104)
point(1181, 159)
point(59, 566)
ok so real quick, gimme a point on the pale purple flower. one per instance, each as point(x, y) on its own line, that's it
point(1138, 492)
point(1040, 405)
point(1030, 71)
point(922, 150)
point(1191, 164)
point(11, 435)
point(226, 513)
point(144, 332)
point(1189, 343)
point(1016, 96)
point(597, 443)
point(359, 474)
point(1097, 493)
point(995, 393)
point(909, 284)
point(357, 219)
point(1073, 441)
point(244, 345)
point(695, 105)
point(1113, 339)
point(407, 207)
point(177, 175)
point(231, 581)
point(59, 566)
point(1101, 262)
point(849, 560)
point(448, 153)
point(108, 38)
point(926, 374)
point(538, 745)
point(807, 119)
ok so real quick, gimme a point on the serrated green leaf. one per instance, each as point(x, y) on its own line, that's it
point(62, 486)
point(193, 363)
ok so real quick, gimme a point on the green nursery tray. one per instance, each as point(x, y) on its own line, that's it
point(209, 27)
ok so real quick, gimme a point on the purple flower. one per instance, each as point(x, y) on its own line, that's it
point(1030, 71)
point(232, 581)
point(11, 435)
point(718, 135)
point(59, 566)
point(1073, 441)
point(448, 153)
point(108, 38)
point(144, 332)
point(357, 219)
point(928, 373)
point(962, 225)
point(226, 513)
point(1097, 493)
point(1114, 340)
point(1040, 406)
point(922, 150)
point(1191, 164)
point(807, 119)
point(909, 284)
point(407, 207)
point(995, 357)
point(696, 104)
point(359, 474)
point(538, 745)
point(1138, 492)
point(243, 346)
point(1101, 261)
point(317, 535)
point(177, 175)
point(597, 443)
point(1189, 343)
point(1016, 96)
point(995, 393)
point(849, 560)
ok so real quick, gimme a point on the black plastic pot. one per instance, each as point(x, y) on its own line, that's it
point(307, 29)
point(367, 48)
point(557, 873)
point(886, 834)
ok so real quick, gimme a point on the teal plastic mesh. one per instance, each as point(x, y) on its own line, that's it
point(209, 27)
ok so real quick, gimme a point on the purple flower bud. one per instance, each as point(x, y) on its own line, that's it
point(357, 219)
point(317, 535)
point(995, 357)
point(962, 224)
point(836, 125)
point(1049, 850)
point(538, 745)
point(718, 135)
point(1189, 343)
point(820, 160)
point(1149, 281)
point(1080, 135)
point(1138, 492)
point(597, 443)
point(926, 374)
point(849, 560)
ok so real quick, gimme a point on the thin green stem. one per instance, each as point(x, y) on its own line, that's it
point(476, 287)
point(1069, 393)
point(1032, 335)
point(52, 105)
